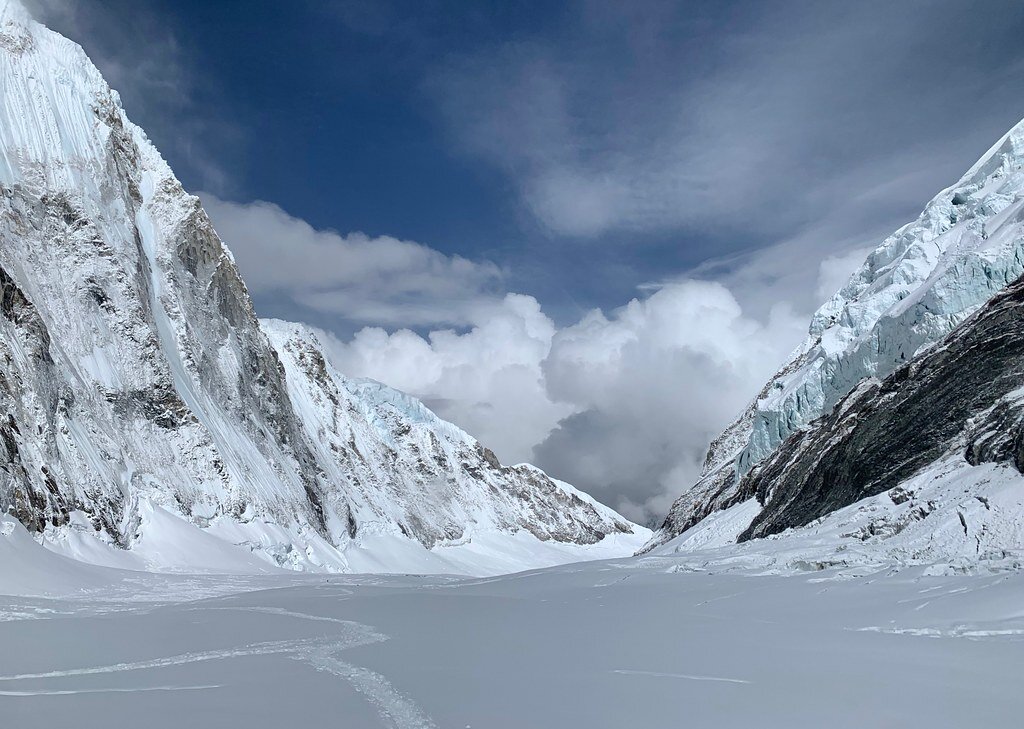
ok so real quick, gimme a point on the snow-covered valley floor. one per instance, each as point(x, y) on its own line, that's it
point(627, 643)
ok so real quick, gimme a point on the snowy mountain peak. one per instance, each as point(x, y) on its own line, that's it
point(150, 416)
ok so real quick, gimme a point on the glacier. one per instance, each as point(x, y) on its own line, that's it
point(918, 285)
point(204, 523)
point(714, 637)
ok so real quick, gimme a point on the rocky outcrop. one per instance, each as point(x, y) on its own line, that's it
point(965, 395)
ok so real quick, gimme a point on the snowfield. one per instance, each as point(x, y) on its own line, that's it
point(716, 637)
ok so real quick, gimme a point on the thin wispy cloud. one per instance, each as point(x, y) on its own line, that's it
point(764, 118)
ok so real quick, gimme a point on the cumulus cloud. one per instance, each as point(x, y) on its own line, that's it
point(354, 277)
point(621, 404)
point(488, 380)
point(651, 385)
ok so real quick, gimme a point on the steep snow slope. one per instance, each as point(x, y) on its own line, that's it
point(918, 285)
point(142, 407)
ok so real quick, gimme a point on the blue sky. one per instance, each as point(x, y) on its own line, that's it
point(510, 176)
point(424, 120)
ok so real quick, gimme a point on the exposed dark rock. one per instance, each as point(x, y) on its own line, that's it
point(488, 455)
point(884, 432)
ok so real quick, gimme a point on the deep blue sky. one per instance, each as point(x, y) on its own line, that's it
point(582, 154)
point(323, 109)
point(333, 112)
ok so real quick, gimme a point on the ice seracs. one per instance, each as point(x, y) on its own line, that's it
point(916, 287)
point(147, 418)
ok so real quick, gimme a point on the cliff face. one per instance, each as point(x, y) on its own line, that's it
point(136, 379)
point(964, 397)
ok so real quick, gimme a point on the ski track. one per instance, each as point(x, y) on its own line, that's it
point(394, 709)
point(289, 614)
point(687, 676)
point(142, 689)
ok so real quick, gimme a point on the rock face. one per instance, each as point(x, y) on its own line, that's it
point(964, 395)
point(135, 375)
point(915, 288)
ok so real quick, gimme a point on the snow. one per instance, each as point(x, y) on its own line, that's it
point(169, 543)
point(900, 610)
point(720, 529)
point(950, 517)
point(217, 496)
point(913, 289)
point(657, 641)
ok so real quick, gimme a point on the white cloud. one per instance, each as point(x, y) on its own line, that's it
point(488, 380)
point(620, 403)
point(652, 384)
point(623, 404)
point(356, 277)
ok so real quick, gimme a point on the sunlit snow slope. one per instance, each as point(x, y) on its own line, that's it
point(146, 419)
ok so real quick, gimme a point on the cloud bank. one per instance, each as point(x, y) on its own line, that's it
point(622, 404)
point(354, 277)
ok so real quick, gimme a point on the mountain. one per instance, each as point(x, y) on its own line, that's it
point(148, 418)
point(881, 389)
